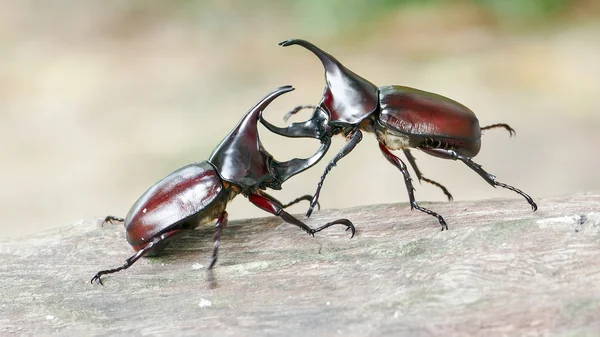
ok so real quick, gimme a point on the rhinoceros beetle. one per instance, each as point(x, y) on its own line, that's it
point(401, 118)
point(198, 193)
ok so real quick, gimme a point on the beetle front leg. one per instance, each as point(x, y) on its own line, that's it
point(491, 179)
point(413, 163)
point(156, 242)
point(409, 186)
point(354, 138)
point(271, 205)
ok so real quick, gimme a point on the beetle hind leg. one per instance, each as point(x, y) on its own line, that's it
point(148, 249)
point(409, 186)
point(510, 130)
point(490, 178)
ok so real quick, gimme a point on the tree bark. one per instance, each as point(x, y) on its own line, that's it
point(500, 270)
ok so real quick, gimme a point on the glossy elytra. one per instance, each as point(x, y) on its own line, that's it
point(198, 193)
point(401, 118)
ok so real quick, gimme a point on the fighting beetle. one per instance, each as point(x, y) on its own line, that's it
point(198, 193)
point(401, 118)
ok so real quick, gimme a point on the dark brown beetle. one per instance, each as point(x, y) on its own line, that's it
point(401, 118)
point(198, 193)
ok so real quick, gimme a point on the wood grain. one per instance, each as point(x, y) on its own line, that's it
point(499, 270)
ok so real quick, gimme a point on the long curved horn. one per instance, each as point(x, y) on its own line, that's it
point(348, 97)
point(240, 157)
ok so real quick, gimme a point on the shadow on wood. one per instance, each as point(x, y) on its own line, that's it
point(499, 270)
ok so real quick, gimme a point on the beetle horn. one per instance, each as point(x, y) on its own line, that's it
point(286, 170)
point(315, 127)
point(347, 97)
point(240, 157)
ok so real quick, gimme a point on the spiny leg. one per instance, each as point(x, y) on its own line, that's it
point(510, 130)
point(220, 225)
point(130, 261)
point(409, 186)
point(413, 163)
point(491, 179)
point(306, 197)
point(111, 218)
point(271, 205)
point(353, 138)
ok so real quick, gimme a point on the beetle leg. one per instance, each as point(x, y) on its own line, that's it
point(220, 225)
point(306, 197)
point(409, 186)
point(156, 241)
point(268, 204)
point(510, 130)
point(111, 218)
point(413, 164)
point(354, 138)
point(490, 178)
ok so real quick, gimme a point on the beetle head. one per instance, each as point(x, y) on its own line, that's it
point(242, 160)
point(347, 97)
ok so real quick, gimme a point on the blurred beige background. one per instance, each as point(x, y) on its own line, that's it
point(100, 99)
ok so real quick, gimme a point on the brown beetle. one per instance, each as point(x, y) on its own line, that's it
point(401, 118)
point(198, 193)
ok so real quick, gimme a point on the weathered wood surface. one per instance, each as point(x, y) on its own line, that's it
point(499, 270)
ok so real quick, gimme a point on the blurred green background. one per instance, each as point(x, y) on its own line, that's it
point(100, 99)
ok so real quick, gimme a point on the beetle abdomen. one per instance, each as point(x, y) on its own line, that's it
point(181, 197)
point(444, 122)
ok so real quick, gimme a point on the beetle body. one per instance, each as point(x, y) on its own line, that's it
point(401, 118)
point(187, 198)
point(428, 120)
point(198, 193)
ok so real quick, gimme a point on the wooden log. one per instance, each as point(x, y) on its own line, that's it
point(500, 270)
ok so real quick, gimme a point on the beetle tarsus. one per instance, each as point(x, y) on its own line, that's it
point(510, 130)
point(432, 213)
point(345, 222)
point(489, 178)
point(111, 218)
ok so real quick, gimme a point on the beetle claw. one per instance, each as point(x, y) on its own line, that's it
point(345, 222)
point(96, 278)
point(111, 218)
